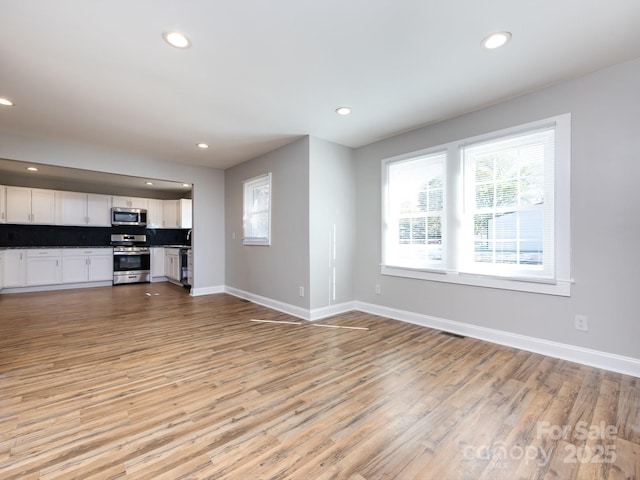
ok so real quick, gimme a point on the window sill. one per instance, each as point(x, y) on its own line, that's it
point(558, 287)
point(264, 243)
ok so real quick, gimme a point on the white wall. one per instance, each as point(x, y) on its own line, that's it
point(208, 191)
point(605, 219)
point(277, 271)
point(331, 224)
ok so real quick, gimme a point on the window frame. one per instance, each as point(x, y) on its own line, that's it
point(248, 186)
point(450, 271)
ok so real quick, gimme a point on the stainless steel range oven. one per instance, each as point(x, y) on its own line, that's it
point(131, 259)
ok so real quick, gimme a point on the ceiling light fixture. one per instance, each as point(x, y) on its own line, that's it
point(148, 183)
point(186, 185)
point(202, 145)
point(343, 110)
point(32, 169)
point(6, 102)
point(176, 39)
point(496, 40)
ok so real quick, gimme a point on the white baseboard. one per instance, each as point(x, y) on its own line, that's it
point(299, 312)
point(331, 310)
point(59, 286)
point(593, 358)
point(196, 292)
point(294, 310)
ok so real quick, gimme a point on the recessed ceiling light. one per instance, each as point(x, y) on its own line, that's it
point(343, 110)
point(6, 102)
point(32, 169)
point(202, 145)
point(149, 183)
point(176, 39)
point(496, 40)
point(186, 185)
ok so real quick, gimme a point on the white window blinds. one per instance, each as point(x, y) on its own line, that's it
point(509, 205)
point(257, 210)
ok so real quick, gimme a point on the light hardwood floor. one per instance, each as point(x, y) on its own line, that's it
point(146, 382)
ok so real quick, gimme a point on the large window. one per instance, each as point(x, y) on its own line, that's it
point(490, 210)
point(257, 210)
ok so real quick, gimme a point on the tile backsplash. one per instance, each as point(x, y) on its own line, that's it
point(12, 235)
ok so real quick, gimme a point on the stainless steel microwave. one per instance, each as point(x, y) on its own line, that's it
point(129, 216)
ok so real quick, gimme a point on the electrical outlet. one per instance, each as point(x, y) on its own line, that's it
point(301, 291)
point(377, 289)
point(582, 323)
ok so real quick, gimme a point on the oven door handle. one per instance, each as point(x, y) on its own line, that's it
point(131, 253)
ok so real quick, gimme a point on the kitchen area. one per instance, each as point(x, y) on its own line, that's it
point(56, 239)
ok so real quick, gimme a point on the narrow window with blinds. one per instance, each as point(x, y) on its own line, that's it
point(257, 210)
point(509, 205)
point(490, 211)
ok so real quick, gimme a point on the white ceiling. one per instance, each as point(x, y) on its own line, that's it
point(260, 74)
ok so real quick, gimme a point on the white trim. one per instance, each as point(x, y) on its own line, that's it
point(196, 292)
point(558, 287)
point(331, 310)
point(585, 356)
point(57, 286)
point(294, 310)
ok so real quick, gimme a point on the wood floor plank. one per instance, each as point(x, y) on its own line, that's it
point(112, 383)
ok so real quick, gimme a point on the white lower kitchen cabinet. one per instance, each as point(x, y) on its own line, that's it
point(172, 264)
point(157, 263)
point(101, 267)
point(15, 268)
point(87, 265)
point(1, 270)
point(3, 204)
point(44, 266)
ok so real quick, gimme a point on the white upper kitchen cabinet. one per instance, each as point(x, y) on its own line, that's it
point(130, 202)
point(155, 213)
point(177, 213)
point(71, 208)
point(83, 209)
point(98, 210)
point(170, 214)
point(3, 204)
point(30, 205)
